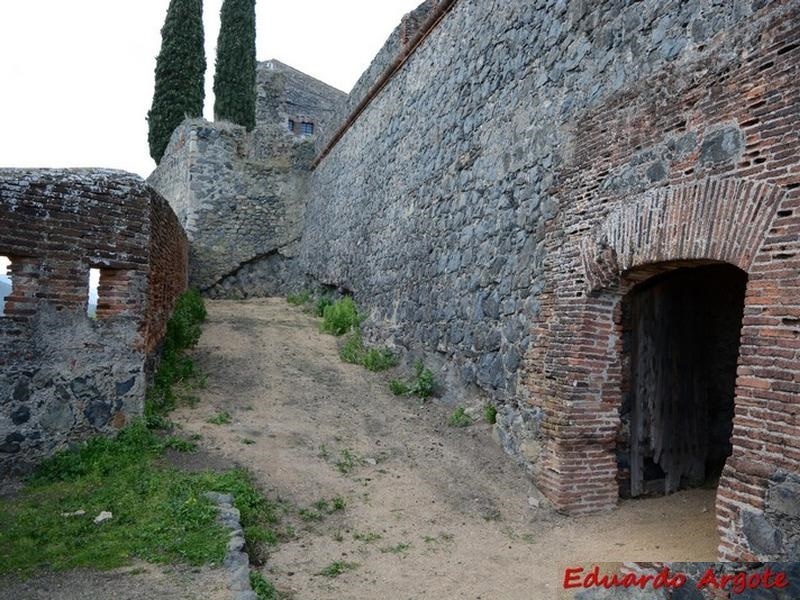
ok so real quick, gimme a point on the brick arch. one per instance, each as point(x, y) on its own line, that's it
point(723, 220)
point(576, 374)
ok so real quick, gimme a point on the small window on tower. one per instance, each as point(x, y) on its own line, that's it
point(306, 128)
point(290, 125)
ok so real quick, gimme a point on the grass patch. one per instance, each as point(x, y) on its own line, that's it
point(354, 352)
point(221, 418)
point(396, 549)
point(263, 588)
point(248, 441)
point(459, 418)
point(183, 332)
point(367, 537)
point(321, 304)
point(340, 317)
point(422, 384)
point(159, 514)
point(490, 414)
point(337, 568)
point(179, 444)
point(321, 508)
point(348, 461)
point(298, 299)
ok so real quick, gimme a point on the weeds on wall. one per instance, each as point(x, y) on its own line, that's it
point(422, 384)
point(183, 333)
point(374, 359)
point(490, 414)
point(340, 317)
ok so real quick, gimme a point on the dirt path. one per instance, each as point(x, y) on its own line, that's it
point(451, 510)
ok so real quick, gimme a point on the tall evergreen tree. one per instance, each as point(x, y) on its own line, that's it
point(180, 73)
point(235, 76)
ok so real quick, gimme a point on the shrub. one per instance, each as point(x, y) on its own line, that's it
point(352, 351)
point(490, 414)
point(321, 304)
point(340, 317)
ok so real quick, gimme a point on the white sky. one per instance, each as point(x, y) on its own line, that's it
point(76, 76)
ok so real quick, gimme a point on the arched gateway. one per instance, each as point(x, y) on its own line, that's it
point(640, 363)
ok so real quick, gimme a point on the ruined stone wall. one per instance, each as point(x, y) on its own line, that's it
point(457, 205)
point(241, 211)
point(67, 376)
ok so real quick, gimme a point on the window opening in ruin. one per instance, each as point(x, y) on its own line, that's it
point(306, 128)
point(5, 283)
point(681, 333)
point(94, 286)
point(290, 125)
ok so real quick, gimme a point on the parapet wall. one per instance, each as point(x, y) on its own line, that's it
point(465, 210)
point(67, 376)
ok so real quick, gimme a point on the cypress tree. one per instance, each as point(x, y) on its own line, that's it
point(180, 73)
point(235, 76)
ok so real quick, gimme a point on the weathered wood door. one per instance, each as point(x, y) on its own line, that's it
point(684, 348)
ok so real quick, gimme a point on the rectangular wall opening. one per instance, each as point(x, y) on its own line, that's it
point(6, 284)
point(94, 288)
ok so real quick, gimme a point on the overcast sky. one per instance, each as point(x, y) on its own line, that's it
point(76, 76)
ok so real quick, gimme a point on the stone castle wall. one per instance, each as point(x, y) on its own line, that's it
point(241, 195)
point(465, 209)
point(67, 376)
point(521, 171)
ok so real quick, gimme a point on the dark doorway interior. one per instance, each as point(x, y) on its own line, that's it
point(682, 331)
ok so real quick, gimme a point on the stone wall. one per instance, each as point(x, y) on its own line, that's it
point(67, 376)
point(241, 195)
point(467, 209)
point(285, 93)
point(238, 210)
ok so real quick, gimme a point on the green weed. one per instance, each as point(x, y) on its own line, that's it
point(368, 537)
point(221, 418)
point(374, 359)
point(337, 568)
point(348, 461)
point(298, 299)
point(321, 304)
point(183, 332)
point(490, 414)
point(263, 588)
point(340, 317)
point(459, 418)
point(422, 384)
point(396, 549)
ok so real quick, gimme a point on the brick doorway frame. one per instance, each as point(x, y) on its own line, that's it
point(576, 374)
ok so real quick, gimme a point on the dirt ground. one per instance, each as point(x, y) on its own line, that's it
point(452, 511)
point(140, 581)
